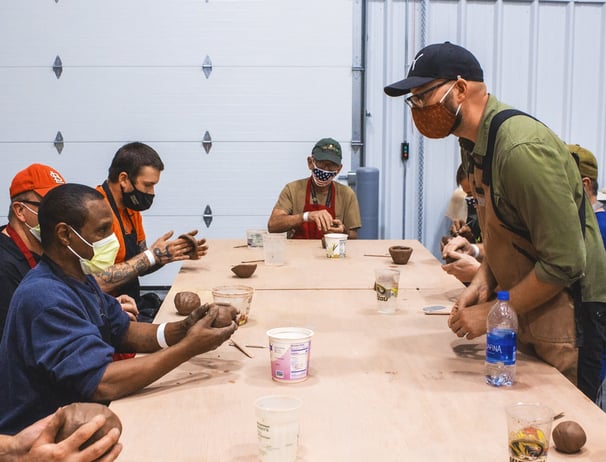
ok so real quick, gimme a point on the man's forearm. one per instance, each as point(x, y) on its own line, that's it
point(531, 292)
point(284, 223)
point(119, 274)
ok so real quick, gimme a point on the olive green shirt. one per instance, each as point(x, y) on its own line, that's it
point(538, 191)
point(292, 201)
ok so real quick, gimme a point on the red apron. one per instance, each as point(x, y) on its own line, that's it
point(309, 230)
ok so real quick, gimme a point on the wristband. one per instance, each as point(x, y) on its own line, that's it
point(305, 217)
point(476, 250)
point(150, 257)
point(160, 336)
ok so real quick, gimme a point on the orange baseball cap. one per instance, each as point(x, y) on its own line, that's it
point(37, 177)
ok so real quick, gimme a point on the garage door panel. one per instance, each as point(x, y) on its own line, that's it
point(175, 104)
point(176, 33)
point(235, 179)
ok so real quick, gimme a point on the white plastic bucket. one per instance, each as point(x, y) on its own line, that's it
point(289, 350)
point(335, 245)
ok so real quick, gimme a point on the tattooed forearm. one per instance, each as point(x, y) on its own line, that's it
point(121, 273)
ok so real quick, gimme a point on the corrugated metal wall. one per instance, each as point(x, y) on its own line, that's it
point(546, 58)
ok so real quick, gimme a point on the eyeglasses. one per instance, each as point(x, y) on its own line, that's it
point(36, 203)
point(416, 100)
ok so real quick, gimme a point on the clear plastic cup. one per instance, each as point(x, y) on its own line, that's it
point(528, 429)
point(278, 427)
point(386, 288)
point(274, 248)
point(237, 296)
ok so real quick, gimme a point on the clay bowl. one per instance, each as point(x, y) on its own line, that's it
point(244, 271)
point(400, 254)
point(193, 242)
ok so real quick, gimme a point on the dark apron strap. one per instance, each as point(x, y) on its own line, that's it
point(131, 288)
point(575, 289)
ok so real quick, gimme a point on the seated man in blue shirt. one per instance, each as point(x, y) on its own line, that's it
point(62, 330)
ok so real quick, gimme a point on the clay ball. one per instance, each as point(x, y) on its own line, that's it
point(569, 437)
point(77, 414)
point(193, 242)
point(186, 302)
point(225, 316)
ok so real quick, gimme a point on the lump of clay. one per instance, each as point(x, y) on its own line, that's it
point(77, 414)
point(193, 242)
point(225, 316)
point(186, 302)
point(569, 437)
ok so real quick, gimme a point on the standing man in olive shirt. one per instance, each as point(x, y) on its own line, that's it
point(541, 238)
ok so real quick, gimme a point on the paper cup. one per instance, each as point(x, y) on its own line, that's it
point(289, 350)
point(278, 427)
point(335, 245)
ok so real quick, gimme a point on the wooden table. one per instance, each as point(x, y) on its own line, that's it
point(307, 267)
point(381, 388)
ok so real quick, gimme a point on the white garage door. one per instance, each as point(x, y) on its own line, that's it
point(262, 80)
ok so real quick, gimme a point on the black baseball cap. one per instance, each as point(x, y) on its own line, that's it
point(438, 61)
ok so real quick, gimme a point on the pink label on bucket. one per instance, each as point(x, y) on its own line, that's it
point(289, 351)
point(289, 361)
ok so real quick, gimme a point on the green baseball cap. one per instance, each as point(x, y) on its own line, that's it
point(588, 165)
point(327, 149)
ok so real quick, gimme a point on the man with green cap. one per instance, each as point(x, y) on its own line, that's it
point(311, 207)
point(588, 166)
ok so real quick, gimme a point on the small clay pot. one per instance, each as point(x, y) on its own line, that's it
point(400, 254)
point(244, 271)
point(193, 242)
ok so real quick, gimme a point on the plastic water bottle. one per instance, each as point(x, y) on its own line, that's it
point(501, 334)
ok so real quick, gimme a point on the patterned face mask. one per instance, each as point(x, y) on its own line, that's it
point(436, 121)
point(323, 177)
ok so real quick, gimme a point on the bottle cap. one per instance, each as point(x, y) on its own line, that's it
point(502, 295)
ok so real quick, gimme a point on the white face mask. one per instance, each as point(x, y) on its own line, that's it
point(35, 230)
point(104, 253)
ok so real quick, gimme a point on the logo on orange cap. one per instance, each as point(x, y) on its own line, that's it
point(37, 177)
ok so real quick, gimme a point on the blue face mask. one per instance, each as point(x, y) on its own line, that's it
point(323, 177)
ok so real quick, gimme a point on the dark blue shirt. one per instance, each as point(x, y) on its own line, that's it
point(59, 338)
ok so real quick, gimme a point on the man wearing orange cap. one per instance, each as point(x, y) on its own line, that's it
point(20, 247)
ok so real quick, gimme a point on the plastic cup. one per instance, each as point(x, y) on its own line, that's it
point(254, 237)
point(386, 287)
point(528, 430)
point(238, 296)
point(289, 351)
point(335, 245)
point(278, 427)
point(274, 248)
